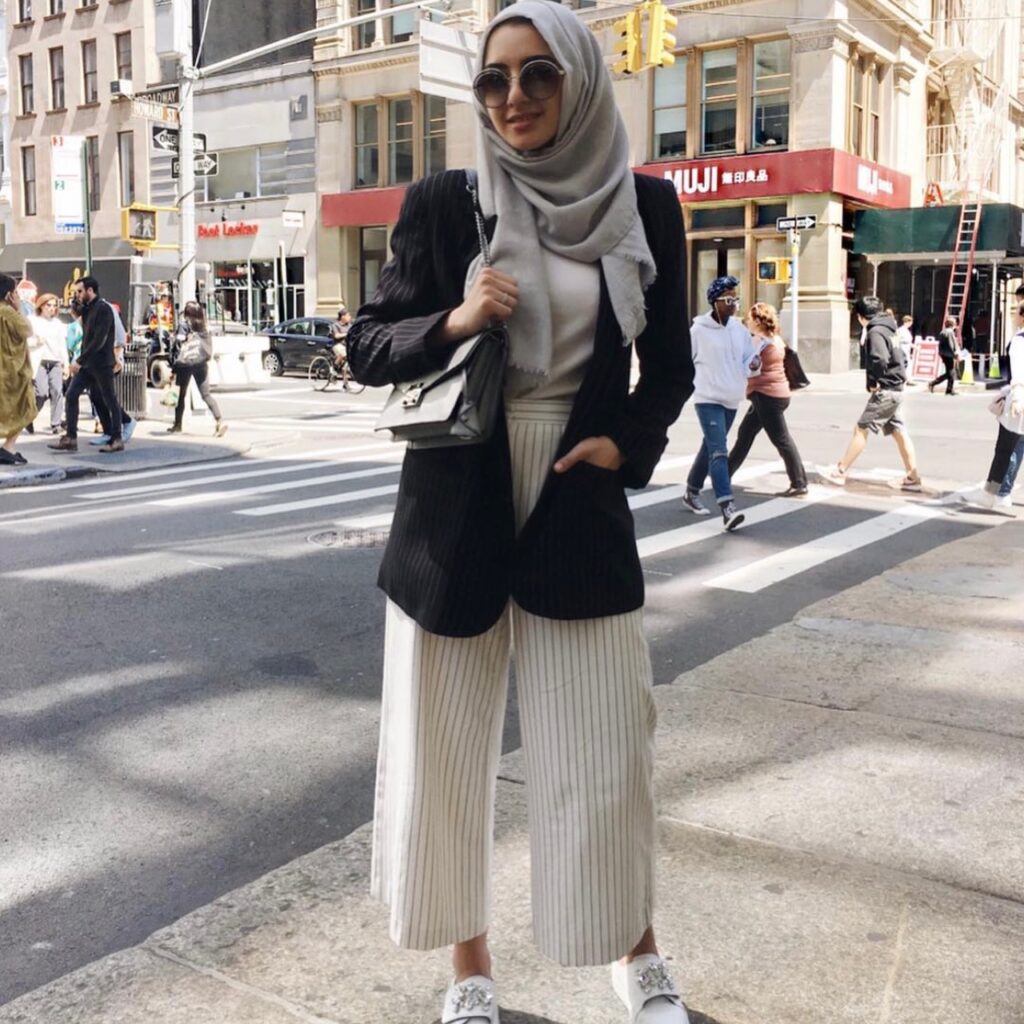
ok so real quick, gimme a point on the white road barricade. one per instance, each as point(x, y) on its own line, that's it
point(238, 359)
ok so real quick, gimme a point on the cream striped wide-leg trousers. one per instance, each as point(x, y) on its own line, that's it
point(587, 720)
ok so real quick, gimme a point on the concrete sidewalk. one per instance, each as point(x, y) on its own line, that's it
point(841, 811)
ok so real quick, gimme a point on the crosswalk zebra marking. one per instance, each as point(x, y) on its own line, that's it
point(321, 502)
point(772, 569)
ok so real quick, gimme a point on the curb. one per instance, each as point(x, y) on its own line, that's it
point(45, 475)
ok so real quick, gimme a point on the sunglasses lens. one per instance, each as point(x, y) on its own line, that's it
point(491, 88)
point(540, 80)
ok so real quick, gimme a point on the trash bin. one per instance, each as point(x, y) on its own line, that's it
point(130, 383)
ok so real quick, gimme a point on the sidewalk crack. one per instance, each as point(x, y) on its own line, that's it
point(293, 1009)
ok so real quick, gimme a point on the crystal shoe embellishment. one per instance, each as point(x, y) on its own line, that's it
point(472, 997)
point(655, 976)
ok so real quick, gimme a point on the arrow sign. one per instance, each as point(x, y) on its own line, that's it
point(204, 165)
point(166, 139)
point(805, 223)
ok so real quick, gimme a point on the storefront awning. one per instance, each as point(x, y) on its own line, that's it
point(14, 256)
point(930, 231)
point(361, 207)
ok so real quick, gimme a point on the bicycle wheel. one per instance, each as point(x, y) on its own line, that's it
point(348, 384)
point(320, 373)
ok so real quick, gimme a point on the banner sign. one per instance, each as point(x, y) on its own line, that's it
point(927, 365)
point(68, 189)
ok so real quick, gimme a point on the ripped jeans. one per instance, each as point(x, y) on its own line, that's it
point(715, 421)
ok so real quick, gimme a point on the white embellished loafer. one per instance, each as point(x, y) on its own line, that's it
point(470, 1001)
point(648, 992)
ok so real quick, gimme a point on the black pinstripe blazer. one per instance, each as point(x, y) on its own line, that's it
point(453, 559)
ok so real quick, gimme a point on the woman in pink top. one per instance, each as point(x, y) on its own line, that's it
point(769, 399)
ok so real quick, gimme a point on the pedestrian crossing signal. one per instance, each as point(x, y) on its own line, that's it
point(139, 226)
point(776, 271)
point(660, 40)
point(629, 29)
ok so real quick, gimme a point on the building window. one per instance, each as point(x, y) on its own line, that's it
point(123, 55)
point(874, 139)
point(373, 254)
point(92, 170)
point(367, 146)
point(400, 144)
point(669, 137)
point(28, 180)
point(237, 176)
point(434, 134)
point(57, 78)
point(28, 99)
point(770, 123)
point(126, 166)
point(719, 101)
point(402, 26)
point(365, 34)
point(3, 156)
point(24, 10)
point(56, 6)
point(857, 120)
point(90, 78)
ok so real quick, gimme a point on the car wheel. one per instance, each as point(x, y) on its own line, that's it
point(272, 364)
point(159, 373)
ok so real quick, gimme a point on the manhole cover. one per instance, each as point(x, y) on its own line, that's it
point(349, 538)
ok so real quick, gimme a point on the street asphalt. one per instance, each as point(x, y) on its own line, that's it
point(191, 651)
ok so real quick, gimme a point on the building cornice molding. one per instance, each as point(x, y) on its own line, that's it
point(369, 60)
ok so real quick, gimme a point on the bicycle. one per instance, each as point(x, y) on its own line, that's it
point(323, 372)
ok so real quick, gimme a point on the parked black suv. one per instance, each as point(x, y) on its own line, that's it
point(293, 344)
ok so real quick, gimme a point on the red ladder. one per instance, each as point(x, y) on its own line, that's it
point(963, 264)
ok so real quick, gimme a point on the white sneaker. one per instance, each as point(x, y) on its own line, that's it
point(1003, 504)
point(731, 516)
point(470, 1001)
point(694, 504)
point(100, 440)
point(648, 992)
point(832, 475)
point(127, 430)
point(980, 496)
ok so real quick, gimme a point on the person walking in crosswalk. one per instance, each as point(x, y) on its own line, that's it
point(769, 395)
point(886, 378)
point(723, 357)
point(525, 542)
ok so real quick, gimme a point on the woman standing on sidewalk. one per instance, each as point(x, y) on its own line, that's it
point(526, 542)
point(49, 342)
point(17, 397)
point(191, 352)
point(723, 353)
point(1010, 439)
point(769, 396)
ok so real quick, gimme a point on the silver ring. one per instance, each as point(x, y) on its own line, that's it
point(504, 298)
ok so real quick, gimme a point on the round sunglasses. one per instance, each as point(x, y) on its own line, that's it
point(539, 80)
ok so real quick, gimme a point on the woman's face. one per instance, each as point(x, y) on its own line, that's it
point(524, 123)
point(49, 309)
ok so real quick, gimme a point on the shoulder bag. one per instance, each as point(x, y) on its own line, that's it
point(457, 404)
point(794, 371)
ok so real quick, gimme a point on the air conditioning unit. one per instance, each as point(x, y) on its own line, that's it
point(122, 87)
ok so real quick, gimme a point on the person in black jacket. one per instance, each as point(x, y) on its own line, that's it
point(527, 538)
point(191, 352)
point(886, 377)
point(948, 349)
point(93, 369)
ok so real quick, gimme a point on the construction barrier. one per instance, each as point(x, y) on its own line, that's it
point(993, 370)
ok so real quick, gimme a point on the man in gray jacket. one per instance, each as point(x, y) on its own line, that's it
point(886, 371)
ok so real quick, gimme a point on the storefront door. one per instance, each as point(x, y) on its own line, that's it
point(716, 257)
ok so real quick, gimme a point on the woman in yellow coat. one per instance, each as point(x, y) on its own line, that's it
point(17, 396)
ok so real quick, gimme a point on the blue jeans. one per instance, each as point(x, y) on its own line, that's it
point(1014, 468)
point(715, 421)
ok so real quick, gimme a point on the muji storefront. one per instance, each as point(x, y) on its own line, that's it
point(730, 206)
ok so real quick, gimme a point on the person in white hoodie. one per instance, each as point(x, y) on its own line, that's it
point(723, 358)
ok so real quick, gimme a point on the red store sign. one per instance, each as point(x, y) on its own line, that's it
point(783, 174)
point(228, 229)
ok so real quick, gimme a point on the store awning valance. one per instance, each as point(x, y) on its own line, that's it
point(931, 231)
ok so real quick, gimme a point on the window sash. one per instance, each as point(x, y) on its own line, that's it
point(400, 145)
point(365, 34)
point(435, 131)
point(90, 78)
point(126, 166)
point(123, 54)
point(668, 137)
point(57, 97)
point(56, 6)
point(28, 102)
point(28, 180)
point(719, 79)
point(24, 10)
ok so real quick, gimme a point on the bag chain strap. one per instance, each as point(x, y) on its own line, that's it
point(485, 249)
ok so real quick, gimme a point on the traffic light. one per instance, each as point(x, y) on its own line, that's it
point(660, 40)
point(629, 30)
point(139, 225)
point(776, 270)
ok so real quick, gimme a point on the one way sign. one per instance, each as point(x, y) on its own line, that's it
point(804, 223)
point(166, 139)
point(205, 165)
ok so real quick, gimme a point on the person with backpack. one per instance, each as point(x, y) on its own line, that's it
point(886, 372)
point(191, 352)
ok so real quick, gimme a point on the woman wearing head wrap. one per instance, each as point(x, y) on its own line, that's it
point(17, 395)
point(527, 538)
point(723, 357)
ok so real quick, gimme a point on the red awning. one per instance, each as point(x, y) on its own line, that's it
point(360, 207)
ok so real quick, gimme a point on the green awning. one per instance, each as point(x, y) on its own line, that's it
point(932, 229)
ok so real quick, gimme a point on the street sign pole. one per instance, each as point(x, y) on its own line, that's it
point(186, 150)
point(86, 211)
point(794, 247)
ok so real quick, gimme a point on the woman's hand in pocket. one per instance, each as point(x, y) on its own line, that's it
point(598, 451)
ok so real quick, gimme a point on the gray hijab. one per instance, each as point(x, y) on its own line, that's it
point(576, 198)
